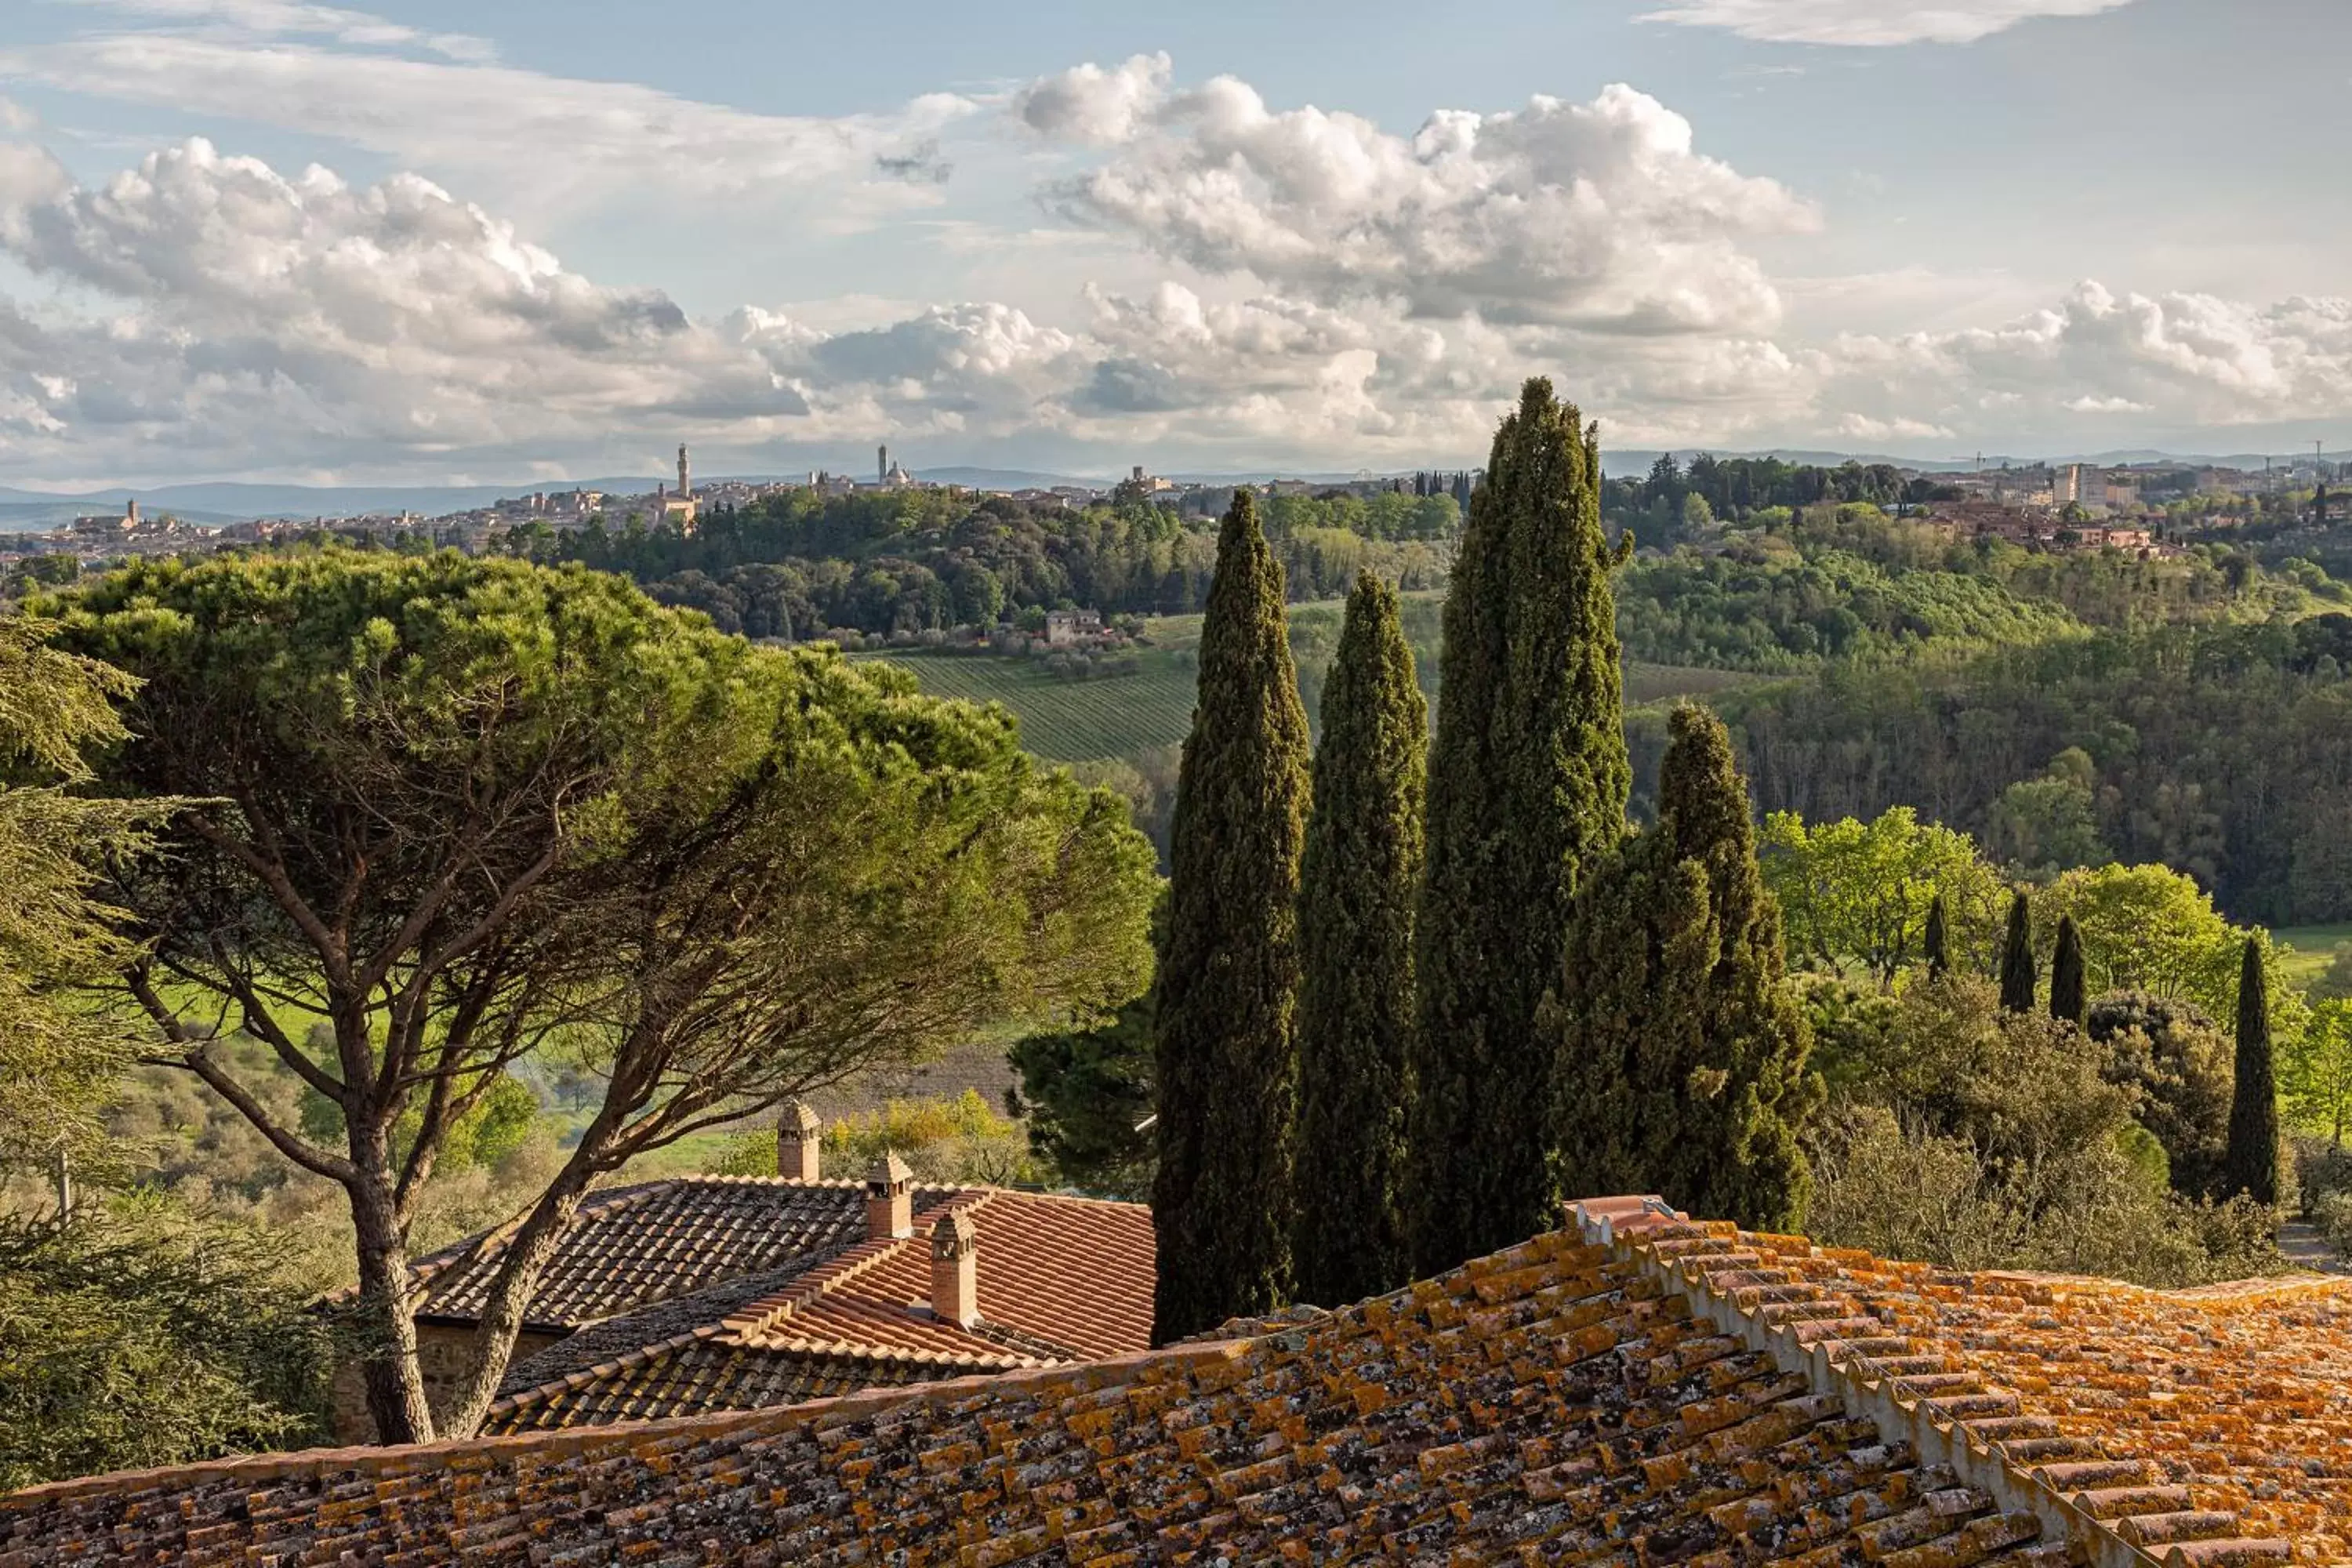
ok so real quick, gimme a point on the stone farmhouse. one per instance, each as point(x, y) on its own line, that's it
point(706, 1293)
point(1632, 1388)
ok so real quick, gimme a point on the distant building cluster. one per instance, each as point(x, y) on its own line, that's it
point(2085, 506)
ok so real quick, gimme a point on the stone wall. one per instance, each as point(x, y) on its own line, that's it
point(441, 1352)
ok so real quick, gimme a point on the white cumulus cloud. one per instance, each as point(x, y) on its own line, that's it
point(249, 311)
point(1299, 288)
point(1599, 216)
point(2189, 360)
point(1094, 105)
point(1872, 23)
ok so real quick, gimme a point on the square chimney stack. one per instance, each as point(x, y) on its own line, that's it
point(955, 1269)
point(800, 1143)
point(890, 1199)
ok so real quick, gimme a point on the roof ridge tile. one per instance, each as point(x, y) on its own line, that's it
point(2067, 1495)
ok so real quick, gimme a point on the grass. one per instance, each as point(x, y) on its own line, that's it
point(2310, 949)
point(1663, 682)
point(1121, 715)
point(1071, 721)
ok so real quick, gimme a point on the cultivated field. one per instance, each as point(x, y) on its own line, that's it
point(1071, 721)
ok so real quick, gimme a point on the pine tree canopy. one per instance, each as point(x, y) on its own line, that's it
point(1683, 1056)
point(2251, 1165)
point(446, 796)
point(1527, 784)
point(1358, 879)
point(2069, 995)
point(2017, 968)
point(1224, 1013)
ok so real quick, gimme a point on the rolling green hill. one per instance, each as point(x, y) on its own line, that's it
point(1067, 720)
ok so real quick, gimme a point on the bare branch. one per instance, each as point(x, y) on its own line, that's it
point(303, 1153)
point(257, 1021)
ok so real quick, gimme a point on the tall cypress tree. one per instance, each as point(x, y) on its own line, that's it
point(2017, 971)
point(2069, 999)
point(2250, 1163)
point(1224, 1012)
point(1682, 1053)
point(1939, 942)
point(1358, 879)
point(1528, 783)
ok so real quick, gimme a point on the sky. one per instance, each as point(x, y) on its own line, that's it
point(440, 241)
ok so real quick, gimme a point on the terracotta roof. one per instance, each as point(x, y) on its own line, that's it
point(1076, 1273)
point(699, 1374)
point(1060, 1279)
point(633, 1246)
point(1634, 1390)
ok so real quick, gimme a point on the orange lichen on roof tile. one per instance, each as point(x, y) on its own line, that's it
point(1559, 1402)
point(2239, 1396)
point(1638, 1390)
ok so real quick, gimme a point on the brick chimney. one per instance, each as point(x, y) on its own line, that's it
point(890, 1199)
point(955, 1269)
point(800, 1142)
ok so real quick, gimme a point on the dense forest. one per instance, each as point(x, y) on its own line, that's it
point(800, 564)
point(1775, 611)
point(2069, 710)
point(2222, 749)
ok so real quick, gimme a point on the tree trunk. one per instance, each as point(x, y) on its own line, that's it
point(395, 1383)
point(525, 1259)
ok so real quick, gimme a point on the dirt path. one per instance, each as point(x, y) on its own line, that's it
point(2304, 1249)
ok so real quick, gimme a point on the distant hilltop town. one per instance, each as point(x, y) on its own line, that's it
point(132, 531)
point(2137, 508)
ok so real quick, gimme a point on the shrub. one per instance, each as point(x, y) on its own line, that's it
point(1907, 1194)
point(948, 1141)
point(2179, 1064)
point(2333, 1215)
point(2321, 1168)
point(140, 1336)
point(1857, 1029)
point(1981, 1139)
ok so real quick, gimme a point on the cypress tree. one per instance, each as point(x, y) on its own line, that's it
point(2068, 998)
point(2251, 1165)
point(2017, 972)
point(1683, 1067)
point(1225, 1009)
point(1939, 957)
point(1527, 783)
point(1358, 879)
